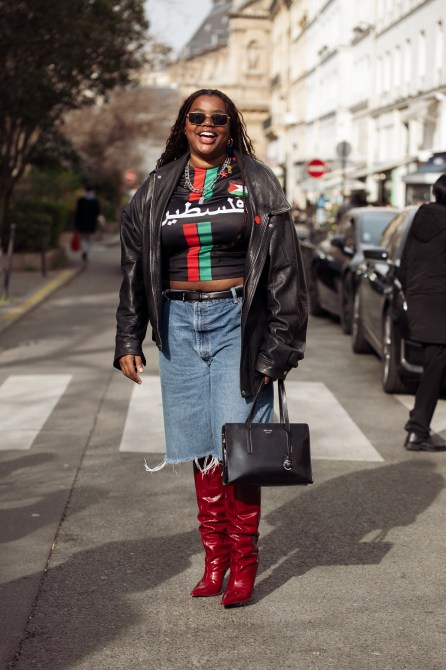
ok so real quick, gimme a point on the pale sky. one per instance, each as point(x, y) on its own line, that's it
point(175, 21)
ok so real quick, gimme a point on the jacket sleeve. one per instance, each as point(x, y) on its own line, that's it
point(286, 296)
point(403, 269)
point(132, 312)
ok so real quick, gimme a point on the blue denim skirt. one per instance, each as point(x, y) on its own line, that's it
point(200, 377)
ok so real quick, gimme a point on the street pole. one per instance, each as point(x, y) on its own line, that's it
point(343, 166)
point(9, 260)
point(42, 248)
point(343, 150)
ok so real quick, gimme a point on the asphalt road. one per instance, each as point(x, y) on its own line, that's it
point(98, 557)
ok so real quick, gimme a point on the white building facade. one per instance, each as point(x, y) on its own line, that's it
point(369, 77)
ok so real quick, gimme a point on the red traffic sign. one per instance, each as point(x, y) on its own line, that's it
point(130, 176)
point(316, 168)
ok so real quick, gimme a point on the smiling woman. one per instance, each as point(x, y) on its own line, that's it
point(211, 260)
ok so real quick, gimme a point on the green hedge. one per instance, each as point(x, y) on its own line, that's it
point(37, 222)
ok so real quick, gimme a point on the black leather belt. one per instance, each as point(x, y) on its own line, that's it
point(188, 296)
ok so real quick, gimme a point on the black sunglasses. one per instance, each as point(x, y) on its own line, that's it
point(197, 118)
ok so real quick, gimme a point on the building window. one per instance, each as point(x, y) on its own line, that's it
point(421, 58)
point(389, 10)
point(387, 76)
point(439, 53)
point(379, 76)
point(397, 74)
point(407, 65)
point(380, 10)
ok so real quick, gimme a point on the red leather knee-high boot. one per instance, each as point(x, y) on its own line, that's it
point(243, 514)
point(212, 518)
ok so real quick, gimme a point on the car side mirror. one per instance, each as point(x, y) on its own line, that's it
point(376, 254)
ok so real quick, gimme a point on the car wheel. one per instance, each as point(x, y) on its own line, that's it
point(313, 297)
point(359, 343)
point(347, 299)
point(391, 380)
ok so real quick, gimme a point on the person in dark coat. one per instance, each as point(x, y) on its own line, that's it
point(423, 277)
point(86, 218)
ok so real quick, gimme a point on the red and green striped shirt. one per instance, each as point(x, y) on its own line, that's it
point(206, 240)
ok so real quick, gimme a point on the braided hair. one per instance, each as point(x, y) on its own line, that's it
point(177, 146)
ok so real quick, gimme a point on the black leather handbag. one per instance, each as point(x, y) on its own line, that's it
point(267, 454)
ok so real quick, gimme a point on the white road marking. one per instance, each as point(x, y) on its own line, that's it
point(144, 427)
point(334, 435)
point(438, 423)
point(26, 402)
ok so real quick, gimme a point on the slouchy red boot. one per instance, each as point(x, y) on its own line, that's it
point(243, 514)
point(212, 518)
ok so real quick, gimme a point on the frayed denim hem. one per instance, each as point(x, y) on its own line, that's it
point(210, 462)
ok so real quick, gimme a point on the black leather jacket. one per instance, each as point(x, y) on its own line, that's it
point(274, 312)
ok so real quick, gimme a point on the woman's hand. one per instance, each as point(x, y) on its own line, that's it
point(266, 380)
point(130, 366)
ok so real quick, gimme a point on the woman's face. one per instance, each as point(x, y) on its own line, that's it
point(207, 141)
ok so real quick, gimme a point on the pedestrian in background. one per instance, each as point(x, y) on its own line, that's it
point(356, 199)
point(211, 261)
point(86, 220)
point(423, 277)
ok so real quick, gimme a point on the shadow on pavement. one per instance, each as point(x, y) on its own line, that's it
point(328, 525)
point(84, 602)
point(17, 522)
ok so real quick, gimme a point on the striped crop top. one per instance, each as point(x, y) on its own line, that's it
point(205, 238)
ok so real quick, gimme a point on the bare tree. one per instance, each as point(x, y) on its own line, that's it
point(120, 133)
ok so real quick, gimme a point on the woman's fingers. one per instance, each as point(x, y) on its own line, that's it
point(138, 364)
point(130, 366)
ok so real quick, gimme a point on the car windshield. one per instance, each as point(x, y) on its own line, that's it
point(373, 224)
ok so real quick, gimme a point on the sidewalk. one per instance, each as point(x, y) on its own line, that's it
point(27, 289)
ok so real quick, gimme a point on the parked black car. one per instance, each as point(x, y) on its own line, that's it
point(331, 263)
point(380, 311)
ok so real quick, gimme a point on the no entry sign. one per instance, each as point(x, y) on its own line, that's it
point(316, 168)
point(130, 176)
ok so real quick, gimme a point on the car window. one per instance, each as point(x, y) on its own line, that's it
point(373, 224)
point(391, 237)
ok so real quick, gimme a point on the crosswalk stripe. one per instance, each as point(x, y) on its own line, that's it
point(26, 402)
point(309, 402)
point(333, 434)
point(144, 428)
point(438, 423)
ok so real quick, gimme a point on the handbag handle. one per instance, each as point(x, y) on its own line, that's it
point(284, 420)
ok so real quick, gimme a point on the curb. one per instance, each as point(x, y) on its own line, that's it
point(36, 298)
